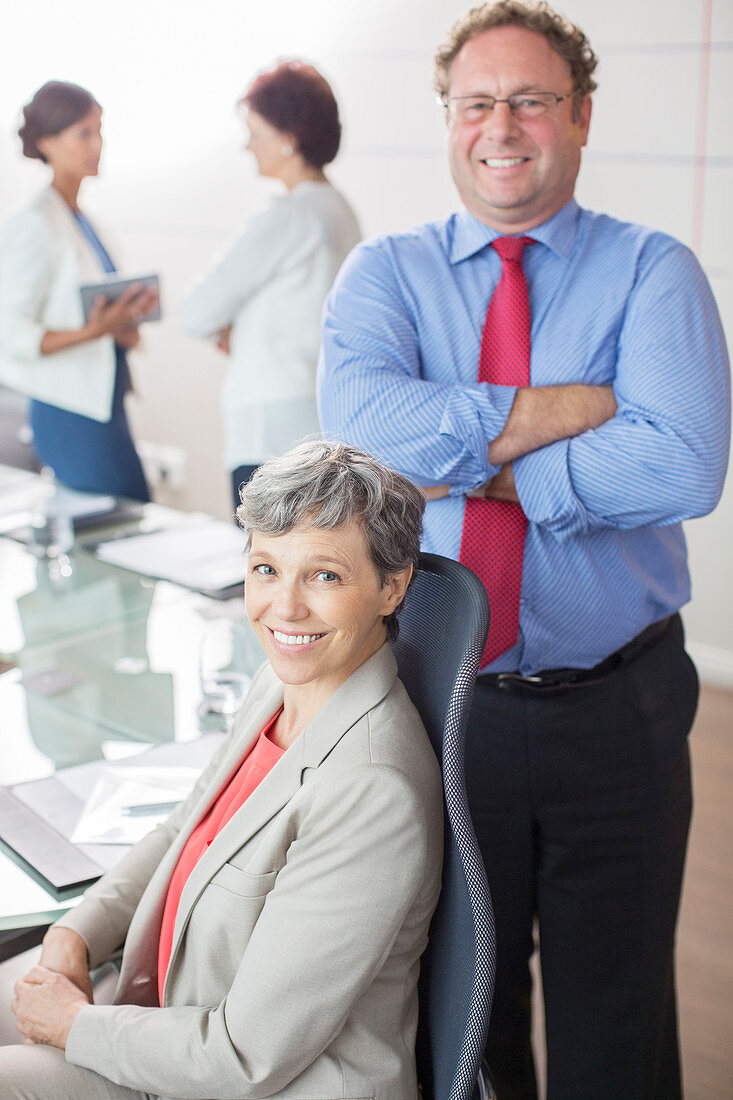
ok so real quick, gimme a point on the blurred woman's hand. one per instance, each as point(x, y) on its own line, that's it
point(222, 339)
point(106, 318)
point(117, 319)
point(127, 337)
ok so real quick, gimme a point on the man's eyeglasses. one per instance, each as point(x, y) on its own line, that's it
point(478, 108)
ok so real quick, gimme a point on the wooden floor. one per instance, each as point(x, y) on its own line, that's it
point(705, 932)
point(705, 936)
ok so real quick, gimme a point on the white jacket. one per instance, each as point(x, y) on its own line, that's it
point(44, 258)
point(270, 285)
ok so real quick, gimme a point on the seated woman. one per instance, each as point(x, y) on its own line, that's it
point(273, 926)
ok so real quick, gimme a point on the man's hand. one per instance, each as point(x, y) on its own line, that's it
point(499, 487)
point(65, 952)
point(540, 415)
point(434, 492)
point(46, 1005)
point(544, 414)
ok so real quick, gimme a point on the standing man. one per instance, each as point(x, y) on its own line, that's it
point(557, 381)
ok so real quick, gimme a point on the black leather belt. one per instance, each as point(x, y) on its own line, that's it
point(557, 681)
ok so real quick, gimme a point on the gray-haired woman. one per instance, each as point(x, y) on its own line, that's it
point(273, 926)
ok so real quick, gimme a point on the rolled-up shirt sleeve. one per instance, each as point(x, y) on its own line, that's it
point(371, 385)
point(662, 458)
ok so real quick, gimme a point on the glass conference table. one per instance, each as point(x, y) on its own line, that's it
point(94, 666)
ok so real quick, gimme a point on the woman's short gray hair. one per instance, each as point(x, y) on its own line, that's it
point(326, 484)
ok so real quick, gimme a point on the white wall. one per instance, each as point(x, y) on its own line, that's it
point(175, 183)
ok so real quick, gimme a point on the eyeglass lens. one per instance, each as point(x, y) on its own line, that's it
point(479, 108)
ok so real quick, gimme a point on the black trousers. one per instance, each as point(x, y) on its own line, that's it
point(582, 805)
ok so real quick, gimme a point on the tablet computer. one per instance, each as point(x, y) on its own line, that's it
point(113, 287)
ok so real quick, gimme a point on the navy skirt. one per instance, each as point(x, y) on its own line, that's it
point(86, 454)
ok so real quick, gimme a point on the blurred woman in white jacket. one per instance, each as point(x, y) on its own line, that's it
point(262, 298)
point(75, 370)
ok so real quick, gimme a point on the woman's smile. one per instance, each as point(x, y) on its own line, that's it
point(291, 640)
point(317, 604)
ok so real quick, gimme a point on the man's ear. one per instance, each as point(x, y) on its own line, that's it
point(584, 112)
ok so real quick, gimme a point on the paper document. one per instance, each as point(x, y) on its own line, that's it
point(205, 554)
point(127, 802)
point(37, 818)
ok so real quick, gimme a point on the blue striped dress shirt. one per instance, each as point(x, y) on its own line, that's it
point(611, 304)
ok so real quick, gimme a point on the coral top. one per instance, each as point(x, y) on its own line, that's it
point(263, 755)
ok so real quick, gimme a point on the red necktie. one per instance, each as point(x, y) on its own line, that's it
point(492, 541)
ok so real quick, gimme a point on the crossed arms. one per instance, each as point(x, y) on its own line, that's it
point(644, 441)
point(539, 416)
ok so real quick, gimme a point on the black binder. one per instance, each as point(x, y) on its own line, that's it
point(56, 864)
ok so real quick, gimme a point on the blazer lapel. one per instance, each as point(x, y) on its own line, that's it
point(142, 940)
point(243, 737)
point(359, 694)
point(89, 267)
point(364, 689)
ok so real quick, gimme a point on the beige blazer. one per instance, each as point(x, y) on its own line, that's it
point(44, 259)
point(298, 937)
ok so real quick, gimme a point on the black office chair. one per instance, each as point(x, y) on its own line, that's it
point(443, 630)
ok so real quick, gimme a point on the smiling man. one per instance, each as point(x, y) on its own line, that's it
point(557, 381)
point(514, 153)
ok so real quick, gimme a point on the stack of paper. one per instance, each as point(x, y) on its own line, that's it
point(204, 554)
point(127, 802)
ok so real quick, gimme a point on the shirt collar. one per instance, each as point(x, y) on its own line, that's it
point(558, 233)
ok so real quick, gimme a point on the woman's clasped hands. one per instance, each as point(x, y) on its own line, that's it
point(46, 1005)
point(51, 994)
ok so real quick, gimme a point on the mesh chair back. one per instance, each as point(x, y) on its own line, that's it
point(443, 630)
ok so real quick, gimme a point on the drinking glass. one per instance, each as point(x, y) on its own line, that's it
point(224, 684)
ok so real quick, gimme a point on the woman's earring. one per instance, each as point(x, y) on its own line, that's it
point(287, 150)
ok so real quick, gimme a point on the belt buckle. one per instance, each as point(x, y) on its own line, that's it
point(533, 685)
point(507, 681)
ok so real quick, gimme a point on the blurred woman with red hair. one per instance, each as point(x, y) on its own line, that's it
point(262, 299)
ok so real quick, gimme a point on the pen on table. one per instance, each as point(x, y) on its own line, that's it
point(145, 809)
